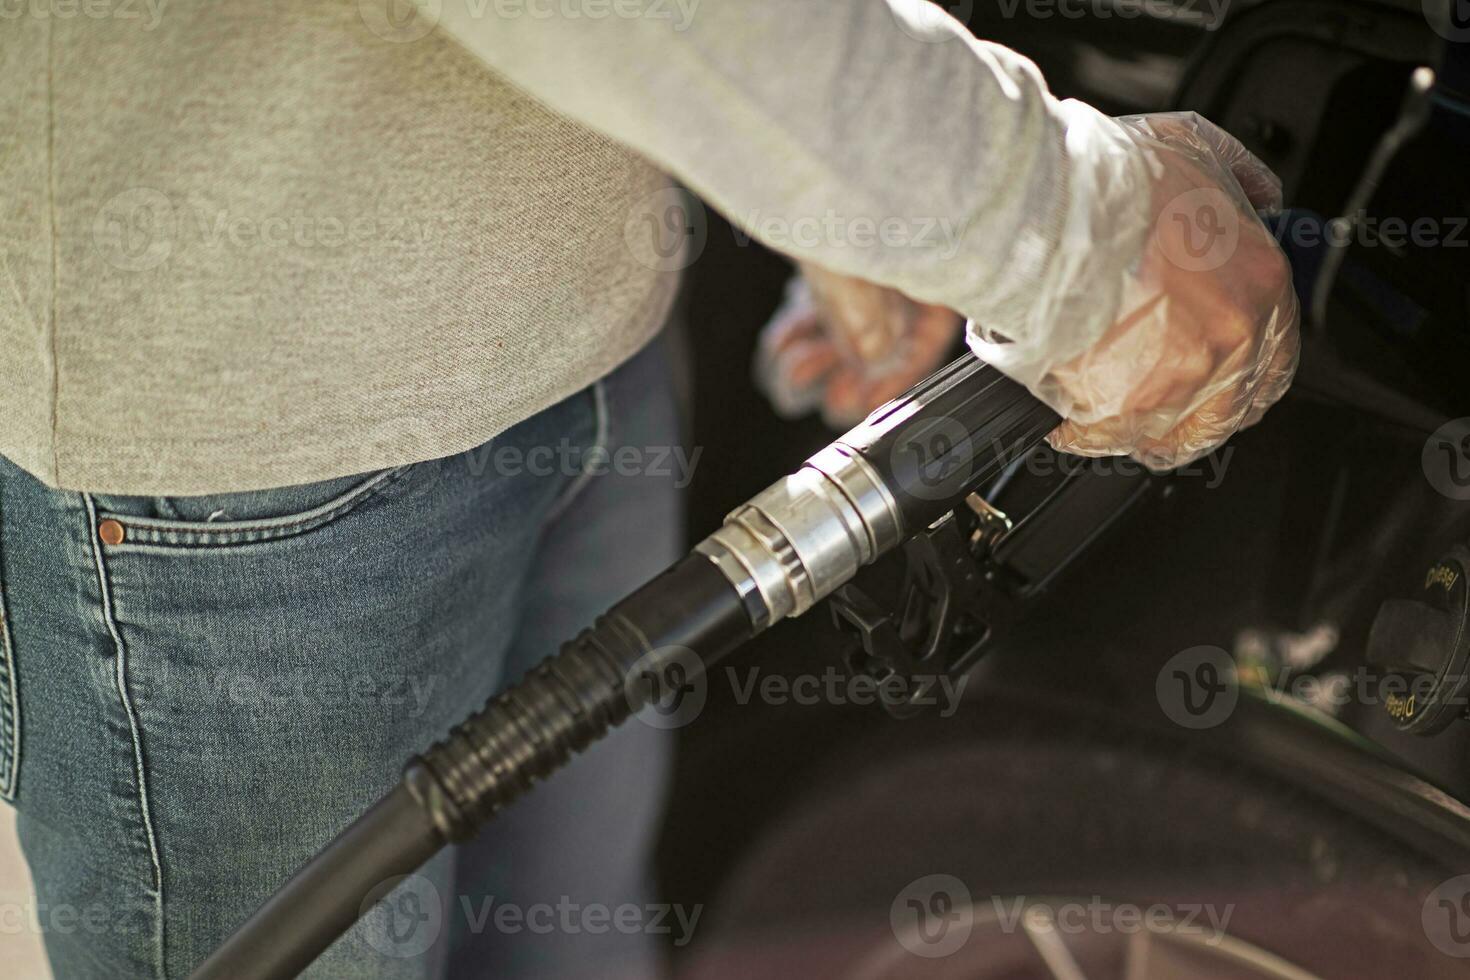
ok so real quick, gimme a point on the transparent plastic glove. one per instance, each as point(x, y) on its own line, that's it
point(847, 345)
point(1204, 338)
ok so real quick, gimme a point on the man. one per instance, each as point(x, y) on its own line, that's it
point(319, 329)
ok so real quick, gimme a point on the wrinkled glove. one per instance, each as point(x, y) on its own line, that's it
point(1204, 338)
point(847, 345)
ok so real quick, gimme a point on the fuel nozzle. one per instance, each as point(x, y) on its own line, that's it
point(908, 464)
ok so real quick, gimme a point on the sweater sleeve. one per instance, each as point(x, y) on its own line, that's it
point(878, 138)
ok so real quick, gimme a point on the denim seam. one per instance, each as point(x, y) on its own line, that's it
point(601, 440)
point(10, 715)
point(144, 530)
point(121, 680)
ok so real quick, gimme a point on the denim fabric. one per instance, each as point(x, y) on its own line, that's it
point(188, 715)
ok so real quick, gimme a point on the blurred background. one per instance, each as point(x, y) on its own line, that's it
point(800, 824)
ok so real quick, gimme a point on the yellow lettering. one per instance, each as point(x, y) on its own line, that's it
point(1443, 576)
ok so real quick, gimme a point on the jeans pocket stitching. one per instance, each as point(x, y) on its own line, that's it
point(166, 533)
point(601, 440)
point(9, 711)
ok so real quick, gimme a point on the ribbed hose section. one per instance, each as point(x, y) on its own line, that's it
point(526, 733)
point(690, 613)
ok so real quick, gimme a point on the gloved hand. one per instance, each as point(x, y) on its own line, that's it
point(848, 345)
point(1205, 337)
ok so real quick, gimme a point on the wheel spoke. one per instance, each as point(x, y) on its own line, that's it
point(1140, 944)
point(1053, 952)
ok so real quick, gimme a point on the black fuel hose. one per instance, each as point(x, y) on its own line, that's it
point(910, 462)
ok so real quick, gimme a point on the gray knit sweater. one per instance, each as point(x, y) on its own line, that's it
point(250, 243)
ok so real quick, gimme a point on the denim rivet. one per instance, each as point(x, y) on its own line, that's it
point(111, 532)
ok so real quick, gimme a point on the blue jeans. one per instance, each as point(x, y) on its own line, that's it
point(196, 694)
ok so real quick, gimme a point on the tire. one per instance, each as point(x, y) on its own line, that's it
point(933, 861)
